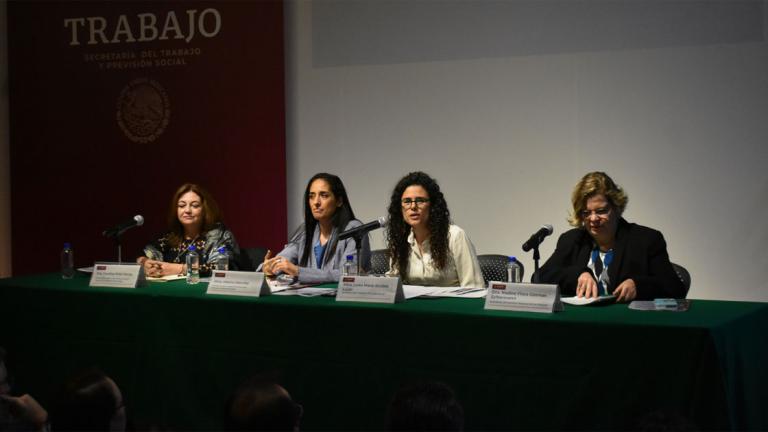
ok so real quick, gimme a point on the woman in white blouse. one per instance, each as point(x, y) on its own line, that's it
point(424, 247)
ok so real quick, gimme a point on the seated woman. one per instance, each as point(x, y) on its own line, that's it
point(425, 248)
point(605, 254)
point(314, 253)
point(193, 219)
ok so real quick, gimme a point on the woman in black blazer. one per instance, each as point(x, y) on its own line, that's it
point(605, 254)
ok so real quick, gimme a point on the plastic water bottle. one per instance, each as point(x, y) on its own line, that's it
point(350, 268)
point(513, 271)
point(67, 262)
point(193, 265)
point(223, 262)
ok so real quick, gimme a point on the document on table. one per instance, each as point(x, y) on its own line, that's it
point(681, 305)
point(412, 291)
point(305, 291)
point(583, 301)
point(286, 286)
point(166, 278)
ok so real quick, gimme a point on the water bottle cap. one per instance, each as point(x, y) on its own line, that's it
point(222, 249)
point(67, 245)
point(192, 248)
point(350, 257)
point(512, 259)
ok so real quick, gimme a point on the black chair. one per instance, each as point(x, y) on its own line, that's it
point(379, 261)
point(250, 258)
point(684, 276)
point(494, 267)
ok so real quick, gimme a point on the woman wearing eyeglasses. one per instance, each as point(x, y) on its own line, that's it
point(605, 254)
point(314, 253)
point(425, 248)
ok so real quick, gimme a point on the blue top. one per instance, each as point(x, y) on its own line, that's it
point(326, 268)
point(319, 252)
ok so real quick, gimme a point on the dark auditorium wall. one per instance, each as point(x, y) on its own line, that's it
point(115, 104)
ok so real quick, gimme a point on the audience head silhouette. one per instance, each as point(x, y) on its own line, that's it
point(425, 406)
point(262, 405)
point(89, 401)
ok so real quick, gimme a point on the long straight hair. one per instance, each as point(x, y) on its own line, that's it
point(341, 217)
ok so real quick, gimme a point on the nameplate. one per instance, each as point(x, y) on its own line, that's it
point(370, 289)
point(523, 297)
point(117, 275)
point(238, 283)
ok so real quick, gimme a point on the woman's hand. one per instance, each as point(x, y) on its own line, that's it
point(266, 266)
point(626, 291)
point(285, 266)
point(586, 286)
point(154, 268)
point(278, 264)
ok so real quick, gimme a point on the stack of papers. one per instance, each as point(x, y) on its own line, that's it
point(582, 301)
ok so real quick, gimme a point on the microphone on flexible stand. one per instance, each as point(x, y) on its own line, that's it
point(116, 231)
point(537, 237)
point(359, 231)
point(533, 243)
point(364, 229)
point(119, 229)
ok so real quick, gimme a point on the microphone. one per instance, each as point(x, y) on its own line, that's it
point(537, 237)
point(117, 230)
point(362, 229)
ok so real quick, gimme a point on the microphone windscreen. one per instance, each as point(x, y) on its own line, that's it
point(548, 227)
point(139, 220)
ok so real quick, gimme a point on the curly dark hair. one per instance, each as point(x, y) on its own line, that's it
point(439, 223)
point(340, 219)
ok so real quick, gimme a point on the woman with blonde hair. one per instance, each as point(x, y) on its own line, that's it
point(604, 254)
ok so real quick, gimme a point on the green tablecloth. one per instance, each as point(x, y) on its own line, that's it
point(177, 353)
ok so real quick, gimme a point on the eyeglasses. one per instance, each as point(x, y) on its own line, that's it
point(602, 213)
point(420, 202)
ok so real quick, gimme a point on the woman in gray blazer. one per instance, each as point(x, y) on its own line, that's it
point(314, 253)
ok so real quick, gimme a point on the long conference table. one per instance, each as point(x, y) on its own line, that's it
point(177, 353)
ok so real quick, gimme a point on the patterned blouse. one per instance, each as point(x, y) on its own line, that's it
point(207, 245)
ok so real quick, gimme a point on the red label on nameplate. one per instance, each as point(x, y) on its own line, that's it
point(499, 286)
point(348, 279)
point(220, 274)
point(101, 267)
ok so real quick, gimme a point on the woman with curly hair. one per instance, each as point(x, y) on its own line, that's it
point(194, 219)
point(604, 254)
point(424, 247)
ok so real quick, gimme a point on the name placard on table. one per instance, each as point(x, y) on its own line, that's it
point(114, 275)
point(523, 297)
point(238, 283)
point(370, 289)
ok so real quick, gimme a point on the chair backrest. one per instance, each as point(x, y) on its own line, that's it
point(684, 276)
point(379, 261)
point(250, 258)
point(494, 267)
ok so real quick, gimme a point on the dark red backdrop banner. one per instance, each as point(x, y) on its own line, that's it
point(113, 105)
